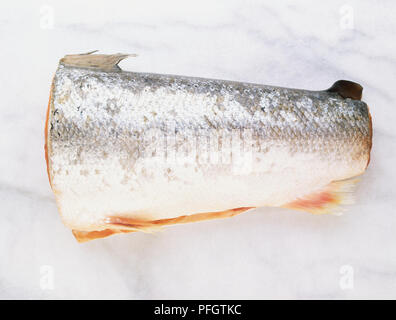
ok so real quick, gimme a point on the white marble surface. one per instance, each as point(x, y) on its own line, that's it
point(268, 253)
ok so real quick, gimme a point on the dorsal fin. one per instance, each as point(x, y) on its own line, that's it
point(347, 89)
point(107, 62)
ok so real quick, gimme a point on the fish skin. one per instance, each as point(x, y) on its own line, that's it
point(102, 162)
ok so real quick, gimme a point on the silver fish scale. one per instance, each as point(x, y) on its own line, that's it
point(110, 111)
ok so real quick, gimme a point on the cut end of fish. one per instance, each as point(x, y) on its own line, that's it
point(85, 236)
point(328, 200)
point(46, 142)
point(107, 62)
point(370, 136)
point(347, 89)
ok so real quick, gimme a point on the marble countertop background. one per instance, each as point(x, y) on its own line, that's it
point(267, 253)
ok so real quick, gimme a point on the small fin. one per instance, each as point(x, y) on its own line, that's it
point(134, 224)
point(108, 62)
point(119, 224)
point(347, 89)
point(327, 200)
